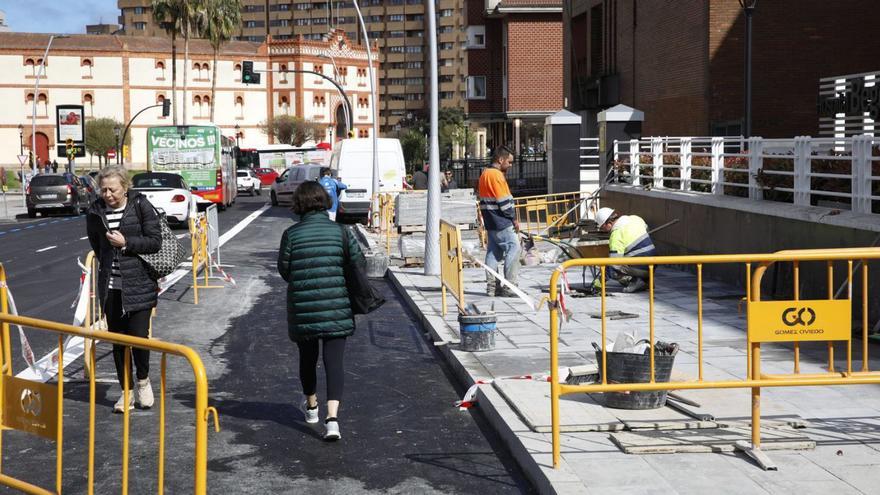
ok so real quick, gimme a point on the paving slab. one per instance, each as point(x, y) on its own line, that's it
point(844, 417)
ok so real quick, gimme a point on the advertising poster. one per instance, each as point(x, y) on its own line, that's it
point(194, 153)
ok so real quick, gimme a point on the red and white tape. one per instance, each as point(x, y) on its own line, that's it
point(470, 397)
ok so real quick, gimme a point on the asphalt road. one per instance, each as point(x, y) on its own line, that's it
point(401, 431)
point(40, 258)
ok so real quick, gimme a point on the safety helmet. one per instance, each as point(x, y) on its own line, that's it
point(603, 215)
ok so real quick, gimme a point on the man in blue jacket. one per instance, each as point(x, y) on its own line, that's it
point(332, 186)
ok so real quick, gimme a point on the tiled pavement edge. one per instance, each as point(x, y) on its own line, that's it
point(845, 421)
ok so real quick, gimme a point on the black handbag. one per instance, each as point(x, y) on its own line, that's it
point(170, 255)
point(364, 299)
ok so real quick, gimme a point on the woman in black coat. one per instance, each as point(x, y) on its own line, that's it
point(122, 224)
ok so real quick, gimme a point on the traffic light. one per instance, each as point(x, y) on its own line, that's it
point(69, 143)
point(166, 107)
point(248, 76)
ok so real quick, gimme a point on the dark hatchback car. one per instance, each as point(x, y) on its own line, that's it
point(91, 186)
point(56, 192)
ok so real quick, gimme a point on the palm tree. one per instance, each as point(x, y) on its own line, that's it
point(166, 13)
point(222, 19)
point(192, 16)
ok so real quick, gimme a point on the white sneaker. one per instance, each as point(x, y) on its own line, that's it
point(119, 407)
point(310, 414)
point(144, 392)
point(332, 430)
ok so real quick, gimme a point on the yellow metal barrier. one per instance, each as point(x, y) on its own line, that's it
point(94, 312)
point(542, 214)
point(198, 228)
point(38, 408)
point(451, 277)
point(768, 321)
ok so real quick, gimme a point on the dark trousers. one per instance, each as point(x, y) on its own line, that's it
point(334, 357)
point(134, 323)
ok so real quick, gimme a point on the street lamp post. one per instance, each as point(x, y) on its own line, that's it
point(21, 164)
point(432, 227)
point(749, 8)
point(37, 97)
point(345, 103)
point(374, 103)
point(116, 131)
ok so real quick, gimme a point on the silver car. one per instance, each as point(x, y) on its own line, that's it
point(56, 192)
point(286, 183)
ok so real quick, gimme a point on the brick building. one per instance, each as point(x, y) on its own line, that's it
point(515, 77)
point(682, 62)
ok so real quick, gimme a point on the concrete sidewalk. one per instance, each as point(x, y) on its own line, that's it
point(842, 422)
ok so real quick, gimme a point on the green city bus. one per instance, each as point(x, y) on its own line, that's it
point(198, 153)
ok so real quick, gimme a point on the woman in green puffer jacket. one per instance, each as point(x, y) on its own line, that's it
point(311, 261)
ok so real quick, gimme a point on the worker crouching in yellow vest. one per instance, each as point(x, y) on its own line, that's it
point(629, 238)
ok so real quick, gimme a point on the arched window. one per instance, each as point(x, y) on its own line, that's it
point(285, 105)
point(283, 80)
point(160, 98)
point(30, 67)
point(89, 104)
point(239, 107)
point(86, 68)
point(197, 101)
point(43, 105)
point(160, 70)
point(206, 103)
point(237, 72)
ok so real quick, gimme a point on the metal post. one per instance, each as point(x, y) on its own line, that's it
point(374, 208)
point(432, 228)
point(346, 103)
point(748, 7)
point(37, 97)
point(21, 165)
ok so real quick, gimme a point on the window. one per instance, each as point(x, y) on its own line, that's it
point(445, 62)
point(415, 17)
point(395, 2)
point(303, 22)
point(253, 8)
point(476, 37)
point(313, 36)
point(239, 107)
point(285, 105)
point(395, 49)
point(89, 105)
point(414, 49)
point(396, 34)
point(283, 75)
point(415, 33)
point(281, 7)
point(303, 6)
point(396, 18)
point(319, 21)
point(197, 102)
point(447, 95)
point(279, 22)
point(138, 10)
point(140, 26)
point(86, 66)
point(160, 99)
point(446, 13)
point(445, 79)
point(237, 71)
point(448, 45)
point(43, 105)
point(31, 67)
point(476, 89)
point(373, 18)
point(160, 70)
point(445, 29)
point(254, 24)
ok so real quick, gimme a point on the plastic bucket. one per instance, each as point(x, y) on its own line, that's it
point(625, 367)
point(477, 332)
point(376, 265)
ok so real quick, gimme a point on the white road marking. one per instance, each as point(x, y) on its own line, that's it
point(83, 237)
point(46, 249)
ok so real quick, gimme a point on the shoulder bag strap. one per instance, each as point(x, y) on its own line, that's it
point(345, 254)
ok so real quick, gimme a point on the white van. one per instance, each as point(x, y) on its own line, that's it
point(352, 162)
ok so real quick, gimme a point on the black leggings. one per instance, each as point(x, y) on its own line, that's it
point(134, 323)
point(334, 357)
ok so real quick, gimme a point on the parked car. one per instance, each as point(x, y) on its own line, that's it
point(56, 192)
point(284, 185)
point(169, 193)
point(91, 187)
point(352, 162)
point(267, 175)
point(248, 181)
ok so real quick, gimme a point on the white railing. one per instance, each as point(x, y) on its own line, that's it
point(589, 165)
point(804, 171)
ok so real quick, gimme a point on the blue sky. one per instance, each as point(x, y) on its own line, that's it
point(57, 16)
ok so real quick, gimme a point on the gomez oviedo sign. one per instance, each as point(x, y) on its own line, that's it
point(798, 321)
point(70, 125)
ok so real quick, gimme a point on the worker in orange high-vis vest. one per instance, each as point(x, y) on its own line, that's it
point(499, 219)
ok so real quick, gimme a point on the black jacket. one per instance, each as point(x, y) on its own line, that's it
point(140, 226)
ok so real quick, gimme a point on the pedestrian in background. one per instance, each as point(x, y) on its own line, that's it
point(54, 166)
point(332, 187)
point(499, 218)
point(448, 182)
point(420, 179)
point(311, 260)
point(122, 224)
